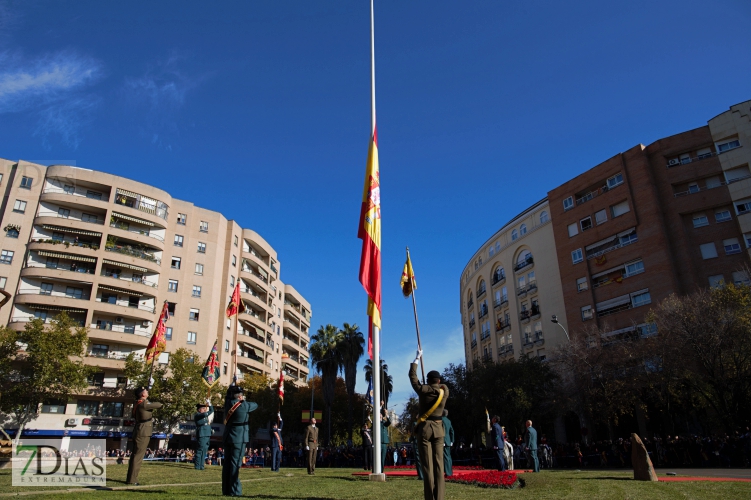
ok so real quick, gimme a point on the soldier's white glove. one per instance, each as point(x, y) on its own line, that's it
point(452, 444)
point(151, 382)
point(279, 414)
point(208, 401)
point(307, 448)
point(418, 355)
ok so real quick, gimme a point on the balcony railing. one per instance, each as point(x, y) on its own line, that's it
point(52, 293)
point(140, 307)
point(470, 304)
point(61, 216)
point(73, 267)
point(480, 292)
point(46, 321)
point(502, 325)
point(133, 252)
point(471, 323)
point(500, 302)
point(256, 274)
point(121, 328)
point(506, 350)
point(607, 312)
point(528, 344)
point(66, 242)
point(616, 246)
point(684, 161)
point(538, 339)
point(120, 356)
point(483, 312)
point(524, 315)
point(91, 196)
point(474, 344)
point(136, 201)
point(593, 194)
point(485, 335)
point(528, 262)
point(142, 232)
point(132, 279)
point(497, 278)
point(535, 311)
point(487, 357)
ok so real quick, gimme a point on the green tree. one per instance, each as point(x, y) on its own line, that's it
point(258, 389)
point(327, 359)
point(351, 349)
point(49, 367)
point(387, 381)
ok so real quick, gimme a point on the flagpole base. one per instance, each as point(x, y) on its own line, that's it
point(381, 478)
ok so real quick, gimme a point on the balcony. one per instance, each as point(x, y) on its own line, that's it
point(144, 204)
point(529, 261)
point(592, 194)
point(144, 236)
point(483, 312)
point(485, 335)
point(78, 192)
point(106, 330)
point(59, 270)
point(497, 279)
point(619, 241)
point(524, 316)
point(132, 252)
point(487, 357)
point(474, 344)
point(506, 350)
point(470, 304)
point(535, 312)
point(528, 344)
point(500, 302)
point(254, 362)
point(683, 161)
point(532, 287)
point(471, 323)
point(522, 291)
point(130, 279)
point(52, 293)
point(538, 339)
point(502, 325)
point(480, 292)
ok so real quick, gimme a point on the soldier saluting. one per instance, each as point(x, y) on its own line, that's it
point(203, 432)
point(142, 413)
point(236, 412)
point(429, 431)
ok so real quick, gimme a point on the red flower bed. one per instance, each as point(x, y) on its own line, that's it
point(456, 467)
point(489, 479)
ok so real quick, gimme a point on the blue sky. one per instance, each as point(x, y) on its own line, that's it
point(483, 107)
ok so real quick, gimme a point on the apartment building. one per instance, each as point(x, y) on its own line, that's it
point(649, 222)
point(110, 251)
point(510, 289)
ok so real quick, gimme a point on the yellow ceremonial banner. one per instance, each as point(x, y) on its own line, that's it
point(408, 282)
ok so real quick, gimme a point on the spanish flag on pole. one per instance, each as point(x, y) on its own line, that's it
point(408, 282)
point(158, 342)
point(370, 234)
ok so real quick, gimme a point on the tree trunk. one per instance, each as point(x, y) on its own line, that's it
point(349, 409)
point(22, 420)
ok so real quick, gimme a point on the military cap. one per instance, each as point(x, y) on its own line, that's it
point(235, 389)
point(433, 374)
point(138, 390)
point(201, 405)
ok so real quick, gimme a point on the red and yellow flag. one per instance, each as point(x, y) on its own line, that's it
point(408, 282)
point(285, 357)
point(158, 342)
point(370, 234)
point(236, 304)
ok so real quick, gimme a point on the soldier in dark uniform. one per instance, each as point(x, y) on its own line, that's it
point(277, 445)
point(448, 442)
point(203, 432)
point(385, 422)
point(236, 412)
point(142, 413)
point(416, 449)
point(430, 434)
point(367, 447)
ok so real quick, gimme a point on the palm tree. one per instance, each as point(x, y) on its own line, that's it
point(387, 381)
point(327, 359)
point(351, 350)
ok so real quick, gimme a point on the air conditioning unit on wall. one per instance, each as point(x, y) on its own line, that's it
point(71, 422)
point(119, 319)
point(673, 162)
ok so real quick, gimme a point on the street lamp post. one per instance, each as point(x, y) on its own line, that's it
point(554, 319)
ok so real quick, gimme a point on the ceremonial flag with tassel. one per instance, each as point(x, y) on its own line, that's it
point(369, 395)
point(158, 342)
point(211, 372)
point(236, 304)
point(408, 282)
point(281, 379)
point(370, 234)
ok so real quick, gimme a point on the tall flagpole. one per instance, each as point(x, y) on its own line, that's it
point(414, 308)
point(377, 472)
point(234, 359)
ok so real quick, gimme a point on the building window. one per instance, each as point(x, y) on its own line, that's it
point(721, 147)
point(747, 239)
point(63, 212)
point(601, 217)
point(12, 232)
point(731, 246)
point(90, 218)
point(172, 286)
point(234, 261)
point(26, 182)
point(633, 268)
point(640, 299)
point(6, 257)
point(204, 226)
point(112, 409)
point(568, 203)
point(171, 307)
point(45, 289)
point(93, 195)
point(523, 229)
point(229, 324)
point(226, 346)
point(573, 229)
point(743, 206)
point(722, 216)
point(178, 240)
point(236, 240)
point(544, 217)
point(196, 291)
point(740, 278)
point(717, 281)
point(491, 251)
point(19, 206)
point(3, 282)
point(231, 281)
point(693, 188)
point(89, 408)
point(616, 180)
point(176, 262)
point(708, 251)
point(576, 256)
point(224, 369)
point(201, 247)
point(586, 223)
point(700, 220)
point(619, 209)
point(168, 333)
point(199, 269)
point(586, 313)
point(581, 284)
point(514, 234)
point(193, 315)
point(181, 219)
point(75, 293)
point(191, 337)
point(713, 182)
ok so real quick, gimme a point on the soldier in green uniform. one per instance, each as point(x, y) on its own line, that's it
point(203, 432)
point(236, 412)
point(430, 435)
point(142, 413)
point(448, 442)
point(385, 423)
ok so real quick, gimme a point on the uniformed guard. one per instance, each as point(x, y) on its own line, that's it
point(277, 444)
point(236, 412)
point(430, 435)
point(142, 413)
point(448, 442)
point(203, 432)
point(367, 447)
point(416, 448)
point(311, 445)
point(385, 422)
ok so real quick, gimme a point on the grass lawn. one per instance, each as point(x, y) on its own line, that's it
point(181, 481)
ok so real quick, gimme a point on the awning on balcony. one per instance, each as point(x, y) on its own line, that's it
point(71, 230)
point(132, 219)
point(611, 270)
point(258, 352)
point(120, 290)
point(601, 242)
point(45, 253)
point(127, 193)
point(609, 304)
point(127, 266)
point(45, 307)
